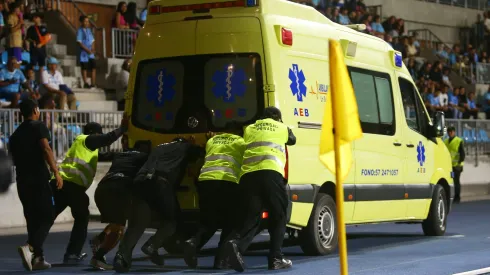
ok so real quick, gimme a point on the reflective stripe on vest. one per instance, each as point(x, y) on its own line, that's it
point(82, 163)
point(219, 168)
point(76, 172)
point(221, 157)
point(262, 158)
point(266, 144)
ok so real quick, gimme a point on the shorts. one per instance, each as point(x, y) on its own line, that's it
point(38, 59)
point(89, 65)
point(8, 96)
point(161, 197)
point(113, 198)
point(16, 52)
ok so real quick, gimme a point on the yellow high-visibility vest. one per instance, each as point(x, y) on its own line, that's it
point(265, 146)
point(223, 159)
point(453, 148)
point(80, 163)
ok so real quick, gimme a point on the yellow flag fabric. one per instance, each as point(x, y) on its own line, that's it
point(341, 114)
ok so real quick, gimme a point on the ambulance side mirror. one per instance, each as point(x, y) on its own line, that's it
point(439, 125)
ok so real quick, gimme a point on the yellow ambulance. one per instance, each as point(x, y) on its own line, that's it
point(200, 64)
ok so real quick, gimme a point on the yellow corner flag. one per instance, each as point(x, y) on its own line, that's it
point(340, 126)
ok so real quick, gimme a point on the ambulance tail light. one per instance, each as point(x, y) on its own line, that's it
point(203, 6)
point(265, 215)
point(287, 36)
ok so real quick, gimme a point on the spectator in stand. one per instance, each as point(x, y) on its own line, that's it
point(11, 78)
point(453, 56)
point(434, 103)
point(52, 123)
point(15, 33)
point(462, 96)
point(454, 108)
point(399, 45)
point(425, 71)
point(444, 100)
point(471, 110)
point(2, 22)
point(436, 73)
point(412, 68)
point(360, 7)
point(86, 41)
point(400, 27)
point(410, 47)
point(329, 13)
point(367, 21)
point(144, 12)
point(52, 81)
point(389, 24)
point(131, 17)
point(353, 17)
point(31, 82)
point(445, 78)
point(486, 103)
point(37, 37)
point(442, 52)
point(22, 7)
point(119, 22)
point(122, 83)
point(343, 17)
point(377, 27)
point(389, 39)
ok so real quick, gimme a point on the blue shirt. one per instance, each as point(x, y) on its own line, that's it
point(486, 99)
point(143, 14)
point(86, 37)
point(343, 19)
point(2, 22)
point(471, 104)
point(6, 75)
point(453, 99)
point(452, 58)
point(433, 100)
point(377, 27)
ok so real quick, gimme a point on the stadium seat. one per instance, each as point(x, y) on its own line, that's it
point(5, 57)
point(74, 129)
point(484, 136)
point(26, 57)
point(468, 136)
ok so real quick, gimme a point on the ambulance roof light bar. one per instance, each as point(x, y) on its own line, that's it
point(357, 27)
point(157, 9)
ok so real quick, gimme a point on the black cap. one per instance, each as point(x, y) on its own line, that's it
point(92, 128)
point(273, 112)
point(451, 129)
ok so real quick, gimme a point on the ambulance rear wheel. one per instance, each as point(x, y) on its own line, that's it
point(319, 237)
point(435, 224)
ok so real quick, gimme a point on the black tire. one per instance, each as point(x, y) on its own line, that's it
point(435, 224)
point(312, 239)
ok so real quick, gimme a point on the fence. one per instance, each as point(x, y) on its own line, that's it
point(476, 137)
point(64, 126)
point(482, 72)
point(470, 4)
point(123, 42)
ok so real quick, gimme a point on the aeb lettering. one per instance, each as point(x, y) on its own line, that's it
point(301, 112)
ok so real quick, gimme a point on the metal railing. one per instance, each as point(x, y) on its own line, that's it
point(71, 12)
point(470, 4)
point(427, 39)
point(123, 42)
point(482, 71)
point(64, 126)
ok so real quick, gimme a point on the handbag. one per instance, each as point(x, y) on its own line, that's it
point(43, 39)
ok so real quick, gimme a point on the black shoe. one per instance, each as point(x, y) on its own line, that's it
point(86, 86)
point(151, 251)
point(190, 256)
point(74, 258)
point(234, 255)
point(100, 264)
point(120, 265)
point(222, 264)
point(39, 263)
point(279, 263)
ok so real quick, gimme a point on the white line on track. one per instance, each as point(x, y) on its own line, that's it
point(476, 272)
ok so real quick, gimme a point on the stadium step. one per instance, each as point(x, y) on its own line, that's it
point(100, 106)
point(56, 50)
point(90, 94)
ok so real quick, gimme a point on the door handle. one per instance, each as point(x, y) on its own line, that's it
point(410, 145)
point(397, 143)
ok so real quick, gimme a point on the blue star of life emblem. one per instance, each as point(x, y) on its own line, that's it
point(298, 87)
point(421, 153)
point(160, 87)
point(229, 83)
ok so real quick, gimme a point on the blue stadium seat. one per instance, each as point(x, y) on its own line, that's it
point(484, 136)
point(26, 57)
point(5, 57)
point(468, 136)
point(74, 129)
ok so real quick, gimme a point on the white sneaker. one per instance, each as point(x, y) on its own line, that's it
point(26, 255)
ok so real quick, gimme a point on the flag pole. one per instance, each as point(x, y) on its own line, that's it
point(339, 194)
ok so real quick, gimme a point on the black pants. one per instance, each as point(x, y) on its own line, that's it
point(265, 189)
point(153, 195)
point(457, 184)
point(37, 200)
point(74, 196)
point(218, 210)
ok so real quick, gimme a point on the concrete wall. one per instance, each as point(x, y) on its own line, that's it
point(140, 3)
point(443, 20)
point(475, 183)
